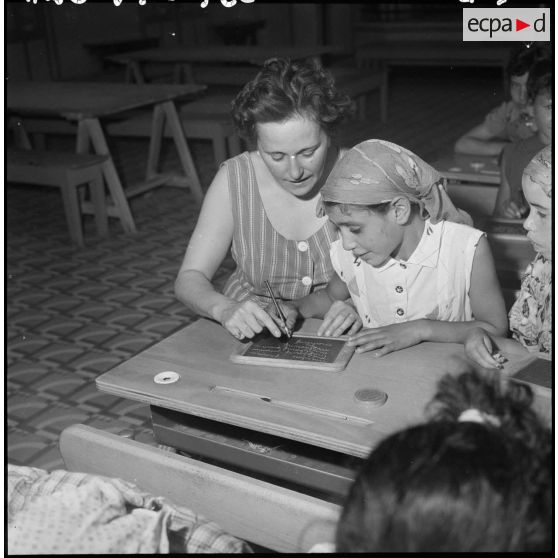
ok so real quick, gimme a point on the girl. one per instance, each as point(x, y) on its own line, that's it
point(413, 270)
point(476, 477)
point(510, 202)
point(531, 315)
point(510, 121)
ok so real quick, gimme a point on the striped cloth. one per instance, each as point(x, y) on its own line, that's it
point(294, 268)
point(76, 513)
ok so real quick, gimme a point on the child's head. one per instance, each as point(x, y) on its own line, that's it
point(537, 188)
point(376, 190)
point(539, 91)
point(477, 477)
point(518, 68)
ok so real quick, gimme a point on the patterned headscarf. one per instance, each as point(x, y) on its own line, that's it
point(376, 171)
point(539, 170)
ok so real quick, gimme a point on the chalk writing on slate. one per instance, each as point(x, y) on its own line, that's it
point(297, 348)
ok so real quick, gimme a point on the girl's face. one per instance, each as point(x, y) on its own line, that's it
point(371, 236)
point(542, 114)
point(539, 221)
point(518, 89)
point(294, 151)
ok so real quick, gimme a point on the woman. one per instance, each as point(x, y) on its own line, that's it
point(262, 203)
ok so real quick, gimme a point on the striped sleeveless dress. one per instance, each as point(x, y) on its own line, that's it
point(294, 268)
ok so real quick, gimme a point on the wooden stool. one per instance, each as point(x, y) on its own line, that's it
point(206, 118)
point(67, 171)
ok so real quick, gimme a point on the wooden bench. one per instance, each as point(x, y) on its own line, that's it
point(67, 171)
point(256, 511)
point(206, 118)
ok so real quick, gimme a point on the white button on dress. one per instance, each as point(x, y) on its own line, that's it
point(306, 281)
point(302, 246)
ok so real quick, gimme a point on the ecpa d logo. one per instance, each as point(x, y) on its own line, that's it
point(506, 24)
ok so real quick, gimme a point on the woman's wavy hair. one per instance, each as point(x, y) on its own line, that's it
point(284, 88)
point(449, 485)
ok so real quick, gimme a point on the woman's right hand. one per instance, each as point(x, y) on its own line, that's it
point(246, 319)
point(480, 348)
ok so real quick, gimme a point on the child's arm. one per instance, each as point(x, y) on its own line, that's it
point(504, 205)
point(486, 350)
point(479, 141)
point(487, 304)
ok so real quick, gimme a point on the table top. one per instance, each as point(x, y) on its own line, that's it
point(250, 54)
point(310, 406)
point(76, 100)
point(469, 168)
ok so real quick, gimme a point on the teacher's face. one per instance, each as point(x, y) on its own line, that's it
point(294, 151)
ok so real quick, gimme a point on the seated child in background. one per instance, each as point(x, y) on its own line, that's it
point(531, 315)
point(476, 477)
point(414, 271)
point(510, 121)
point(510, 201)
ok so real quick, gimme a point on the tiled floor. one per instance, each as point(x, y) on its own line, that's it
point(73, 314)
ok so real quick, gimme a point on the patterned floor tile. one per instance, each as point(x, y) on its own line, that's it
point(128, 343)
point(161, 326)
point(59, 384)
point(96, 361)
point(93, 310)
point(59, 352)
point(125, 317)
point(60, 326)
point(23, 407)
point(50, 459)
point(94, 334)
point(24, 447)
point(57, 417)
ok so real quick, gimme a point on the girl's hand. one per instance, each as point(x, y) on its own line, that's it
point(479, 347)
point(340, 316)
point(512, 210)
point(246, 319)
point(384, 340)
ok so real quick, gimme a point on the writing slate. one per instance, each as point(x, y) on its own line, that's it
point(300, 351)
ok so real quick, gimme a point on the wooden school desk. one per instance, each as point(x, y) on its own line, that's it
point(87, 103)
point(185, 57)
point(469, 168)
point(315, 410)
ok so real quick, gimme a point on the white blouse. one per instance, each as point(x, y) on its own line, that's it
point(433, 283)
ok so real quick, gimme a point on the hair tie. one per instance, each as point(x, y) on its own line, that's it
point(474, 415)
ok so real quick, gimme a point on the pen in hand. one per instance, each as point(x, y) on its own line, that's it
point(279, 311)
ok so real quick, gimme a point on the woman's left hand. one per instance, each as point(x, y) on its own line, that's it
point(384, 340)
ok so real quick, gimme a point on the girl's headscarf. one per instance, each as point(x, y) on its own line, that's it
point(539, 170)
point(376, 171)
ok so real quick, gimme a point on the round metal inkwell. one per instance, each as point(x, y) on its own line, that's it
point(370, 397)
point(168, 377)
